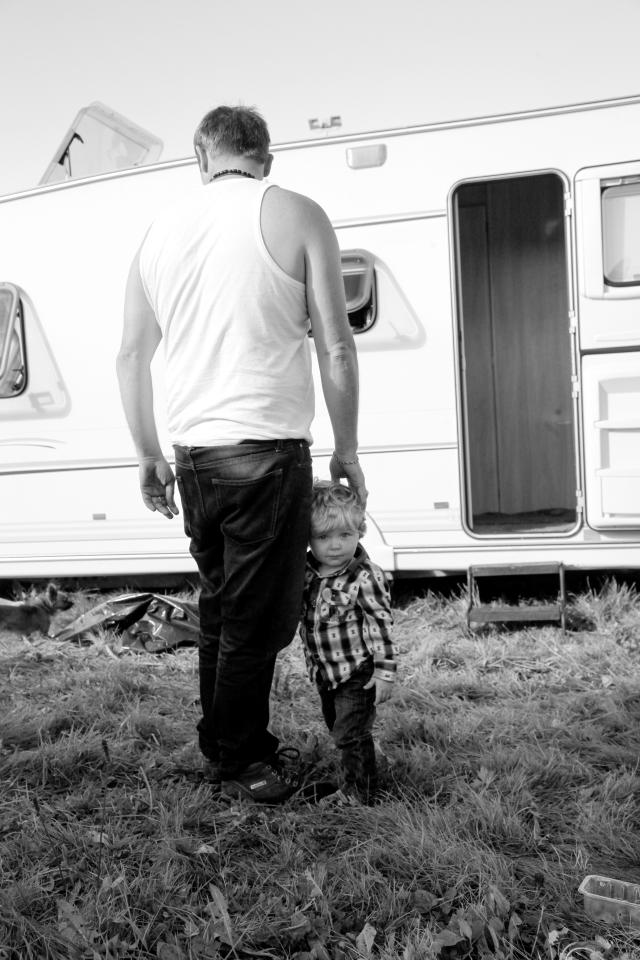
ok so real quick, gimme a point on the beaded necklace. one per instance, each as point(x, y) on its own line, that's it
point(240, 173)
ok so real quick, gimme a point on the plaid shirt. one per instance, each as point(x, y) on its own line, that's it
point(346, 618)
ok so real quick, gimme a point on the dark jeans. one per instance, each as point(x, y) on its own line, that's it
point(349, 711)
point(246, 510)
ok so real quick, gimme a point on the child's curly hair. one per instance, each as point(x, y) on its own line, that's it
point(334, 505)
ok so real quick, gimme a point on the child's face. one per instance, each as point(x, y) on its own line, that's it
point(333, 548)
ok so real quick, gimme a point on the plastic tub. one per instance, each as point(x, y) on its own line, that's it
point(611, 901)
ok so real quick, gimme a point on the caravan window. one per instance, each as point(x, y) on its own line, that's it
point(13, 367)
point(621, 233)
point(359, 278)
point(99, 141)
point(360, 288)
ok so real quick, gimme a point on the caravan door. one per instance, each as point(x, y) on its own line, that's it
point(517, 355)
point(608, 242)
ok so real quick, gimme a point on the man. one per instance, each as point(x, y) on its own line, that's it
point(230, 279)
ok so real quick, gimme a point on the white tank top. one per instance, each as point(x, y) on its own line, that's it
point(234, 324)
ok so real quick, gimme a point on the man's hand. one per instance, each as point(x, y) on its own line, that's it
point(352, 472)
point(157, 483)
point(384, 688)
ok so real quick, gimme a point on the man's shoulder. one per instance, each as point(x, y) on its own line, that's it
point(283, 202)
point(290, 197)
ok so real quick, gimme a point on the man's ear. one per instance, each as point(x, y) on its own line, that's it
point(267, 164)
point(203, 161)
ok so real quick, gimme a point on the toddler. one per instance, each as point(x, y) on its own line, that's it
point(345, 628)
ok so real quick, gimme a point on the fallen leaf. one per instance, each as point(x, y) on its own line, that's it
point(96, 836)
point(494, 936)
point(514, 922)
point(298, 926)
point(446, 901)
point(423, 900)
point(315, 890)
point(72, 925)
point(365, 940)
point(217, 907)
point(200, 949)
point(191, 927)
point(218, 930)
point(205, 848)
point(555, 935)
point(318, 950)
point(501, 902)
point(446, 938)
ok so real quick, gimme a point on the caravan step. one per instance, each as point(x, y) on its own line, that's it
point(515, 569)
point(505, 614)
point(484, 612)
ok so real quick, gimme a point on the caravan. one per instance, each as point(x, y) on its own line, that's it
point(492, 272)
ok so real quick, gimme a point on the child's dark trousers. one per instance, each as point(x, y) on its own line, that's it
point(349, 711)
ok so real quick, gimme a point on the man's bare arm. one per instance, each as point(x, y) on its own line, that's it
point(335, 347)
point(140, 338)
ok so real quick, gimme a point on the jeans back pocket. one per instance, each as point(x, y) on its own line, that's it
point(248, 506)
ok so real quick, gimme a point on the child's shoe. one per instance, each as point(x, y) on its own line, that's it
point(211, 772)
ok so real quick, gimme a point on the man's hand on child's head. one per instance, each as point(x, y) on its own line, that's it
point(352, 473)
point(384, 687)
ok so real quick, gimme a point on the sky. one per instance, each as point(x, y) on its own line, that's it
point(165, 63)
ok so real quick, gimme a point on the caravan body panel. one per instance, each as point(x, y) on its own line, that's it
point(500, 386)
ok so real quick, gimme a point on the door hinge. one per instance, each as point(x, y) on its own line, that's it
point(575, 387)
point(568, 205)
point(579, 502)
point(573, 321)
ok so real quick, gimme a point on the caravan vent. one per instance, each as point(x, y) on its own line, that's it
point(372, 156)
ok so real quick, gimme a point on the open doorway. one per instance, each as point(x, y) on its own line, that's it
point(515, 362)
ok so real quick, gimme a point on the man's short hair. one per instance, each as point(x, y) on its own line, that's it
point(334, 505)
point(235, 130)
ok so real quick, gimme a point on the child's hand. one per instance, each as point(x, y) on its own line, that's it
point(384, 688)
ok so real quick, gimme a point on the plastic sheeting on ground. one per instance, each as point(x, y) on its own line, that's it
point(146, 621)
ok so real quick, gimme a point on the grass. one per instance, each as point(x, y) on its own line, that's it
point(510, 770)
